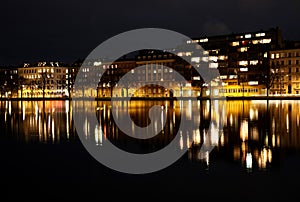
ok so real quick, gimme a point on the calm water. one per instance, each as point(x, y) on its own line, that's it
point(256, 149)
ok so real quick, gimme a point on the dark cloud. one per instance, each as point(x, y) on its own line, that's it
point(69, 29)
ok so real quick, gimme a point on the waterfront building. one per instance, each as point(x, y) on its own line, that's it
point(285, 69)
point(8, 82)
point(44, 79)
point(243, 59)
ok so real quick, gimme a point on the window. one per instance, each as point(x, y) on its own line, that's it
point(297, 62)
point(235, 43)
point(297, 69)
point(248, 36)
point(195, 59)
point(243, 49)
point(260, 34)
point(243, 63)
point(243, 69)
point(253, 62)
point(272, 56)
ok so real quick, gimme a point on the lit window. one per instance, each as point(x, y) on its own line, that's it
point(97, 63)
point(235, 43)
point(132, 71)
point(213, 65)
point(205, 52)
point(204, 40)
point(205, 59)
point(265, 55)
point(277, 55)
point(243, 49)
point(213, 58)
point(243, 63)
point(248, 36)
point(195, 59)
point(244, 69)
point(272, 56)
point(253, 62)
point(265, 41)
point(260, 34)
point(222, 57)
point(170, 70)
point(196, 78)
point(255, 42)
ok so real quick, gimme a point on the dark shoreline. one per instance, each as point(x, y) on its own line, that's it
point(161, 98)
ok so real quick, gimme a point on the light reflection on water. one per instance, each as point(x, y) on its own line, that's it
point(254, 133)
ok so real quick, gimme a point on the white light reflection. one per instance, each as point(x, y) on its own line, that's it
point(181, 141)
point(249, 160)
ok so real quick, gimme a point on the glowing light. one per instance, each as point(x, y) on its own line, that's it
point(249, 160)
point(244, 130)
point(181, 141)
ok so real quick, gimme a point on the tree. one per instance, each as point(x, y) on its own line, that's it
point(267, 79)
point(22, 82)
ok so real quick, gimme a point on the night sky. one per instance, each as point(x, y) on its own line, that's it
point(66, 30)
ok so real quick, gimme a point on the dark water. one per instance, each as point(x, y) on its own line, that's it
point(255, 156)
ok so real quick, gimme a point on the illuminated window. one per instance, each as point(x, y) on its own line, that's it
point(213, 65)
point(205, 52)
point(272, 56)
point(205, 59)
point(251, 83)
point(213, 58)
point(265, 41)
point(253, 62)
point(248, 36)
point(232, 76)
point(204, 40)
point(235, 43)
point(260, 34)
point(265, 55)
point(255, 42)
point(196, 78)
point(277, 55)
point(244, 69)
point(132, 71)
point(195, 59)
point(222, 57)
point(243, 49)
point(243, 63)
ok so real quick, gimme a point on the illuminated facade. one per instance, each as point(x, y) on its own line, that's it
point(242, 59)
point(149, 74)
point(43, 80)
point(285, 68)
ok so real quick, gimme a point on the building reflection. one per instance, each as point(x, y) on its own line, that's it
point(38, 121)
point(252, 133)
